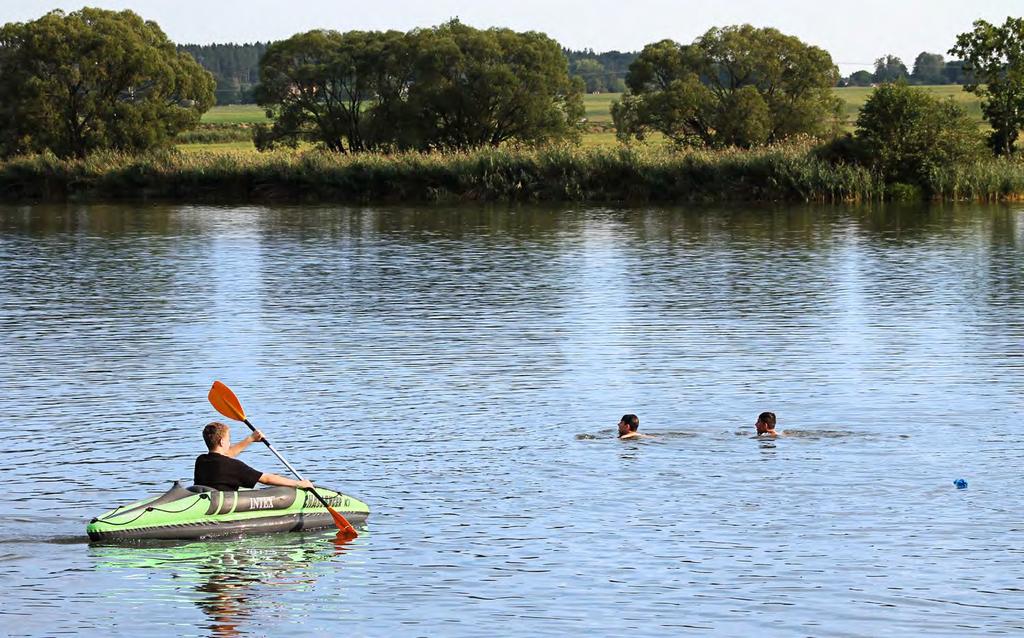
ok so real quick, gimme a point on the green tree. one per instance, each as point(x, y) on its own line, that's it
point(452, 87)
point(94, 79)
point(929, 68)
point(861, 78)
point(905, 133)
point(954, 72)
point(340, 90)
point(734, 86)
point(890, 69)
point(993, 60)
point(477, 88)
point(593, 74)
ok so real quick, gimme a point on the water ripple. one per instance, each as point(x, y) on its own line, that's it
point(462, 370)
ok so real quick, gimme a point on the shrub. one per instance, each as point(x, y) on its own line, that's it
point(906, 135)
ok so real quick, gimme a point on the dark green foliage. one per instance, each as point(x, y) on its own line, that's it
point(929, 68)
point(906, 135)
point(75, 83)
point(861, 78)
point(611, 78)
point(954, 72)
point(994, 61)
point(235, 67)
point(451, 87)
point(890, 68)
point(594, 76)
point(340, 90)
point(842, 149)
point(736, 86)
point(484, 88)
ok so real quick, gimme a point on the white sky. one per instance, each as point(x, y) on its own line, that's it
point(855, 33)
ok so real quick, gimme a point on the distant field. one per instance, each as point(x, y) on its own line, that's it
point(854, 97)
point(598, 112)
point(235, 114)
point(218, 147)
point(599, 107)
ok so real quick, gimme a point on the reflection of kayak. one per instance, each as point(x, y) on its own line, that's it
point(239, 583)
point(240, 558)
point(199, 512)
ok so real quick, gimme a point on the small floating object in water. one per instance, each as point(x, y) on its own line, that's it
point(960, 484)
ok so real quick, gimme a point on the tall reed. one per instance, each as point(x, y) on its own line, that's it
point(619, 174)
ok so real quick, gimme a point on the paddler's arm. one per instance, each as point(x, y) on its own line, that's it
point(283, 481)
point(237, 448)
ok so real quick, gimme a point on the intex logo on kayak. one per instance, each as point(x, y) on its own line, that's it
point(261, 503)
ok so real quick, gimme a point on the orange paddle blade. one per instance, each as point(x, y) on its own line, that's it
point(343, 525)
point(224, 401)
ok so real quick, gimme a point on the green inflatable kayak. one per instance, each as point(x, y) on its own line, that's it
point(201, 512)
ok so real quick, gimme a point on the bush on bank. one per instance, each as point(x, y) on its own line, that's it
point(777, 173)
point(907, 135)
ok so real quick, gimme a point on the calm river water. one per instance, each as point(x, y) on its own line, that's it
point(462, 371)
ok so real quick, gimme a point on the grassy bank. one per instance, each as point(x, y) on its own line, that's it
point(592, 175)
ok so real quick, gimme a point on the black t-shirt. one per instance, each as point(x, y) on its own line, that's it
point(224, 473)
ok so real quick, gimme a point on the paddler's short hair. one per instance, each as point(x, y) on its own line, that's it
point(214, 433)
point(632, 420)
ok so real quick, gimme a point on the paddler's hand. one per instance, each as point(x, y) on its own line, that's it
point(256, 436)
point(305, 484)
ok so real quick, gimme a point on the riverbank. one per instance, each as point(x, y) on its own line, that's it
point(785, 173)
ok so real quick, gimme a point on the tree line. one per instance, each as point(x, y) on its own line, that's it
point(73, 83)
point(601, 72)
point(929, 69)
point(235, 68)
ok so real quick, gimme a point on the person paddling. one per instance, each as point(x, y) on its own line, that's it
point(219, 468)
point(628, 426)
point(766, 424)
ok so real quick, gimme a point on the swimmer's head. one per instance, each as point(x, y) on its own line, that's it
point(628, 423)
point(765, 422)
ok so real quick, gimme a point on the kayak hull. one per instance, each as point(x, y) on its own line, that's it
point(197, 512)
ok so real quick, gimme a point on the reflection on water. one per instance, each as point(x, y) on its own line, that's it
point(228, 580)
point(461, 370)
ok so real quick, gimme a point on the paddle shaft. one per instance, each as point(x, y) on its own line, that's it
point(289, 465)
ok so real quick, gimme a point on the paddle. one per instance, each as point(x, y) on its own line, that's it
point(225, 402)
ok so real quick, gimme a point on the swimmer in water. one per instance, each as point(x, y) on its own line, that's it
point(766, 424)
point(628, 426)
